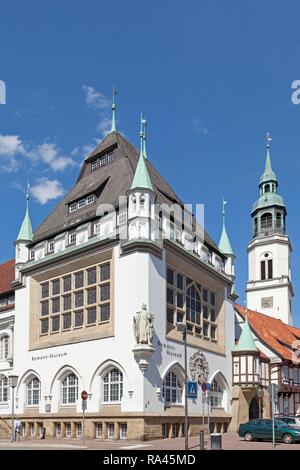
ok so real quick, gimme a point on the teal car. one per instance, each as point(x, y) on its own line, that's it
point(261, 429)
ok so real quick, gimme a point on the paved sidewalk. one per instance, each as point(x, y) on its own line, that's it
point(230, 441)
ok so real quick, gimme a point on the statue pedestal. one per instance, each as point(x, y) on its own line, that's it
point(142, 353)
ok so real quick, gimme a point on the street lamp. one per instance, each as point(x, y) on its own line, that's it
point(12, 383)
point(182, 327)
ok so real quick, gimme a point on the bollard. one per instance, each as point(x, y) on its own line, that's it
point(216, 441)
point(201, 442)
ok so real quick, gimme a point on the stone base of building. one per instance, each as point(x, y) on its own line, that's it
point(115, 428)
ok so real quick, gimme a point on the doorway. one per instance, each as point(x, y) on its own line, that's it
point(254, 409)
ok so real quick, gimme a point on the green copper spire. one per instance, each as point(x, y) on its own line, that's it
point(144, 138)
point(113, 107)
point(268, 174)
point(246, 341)
point(25, 233)
point(141, 177)
point(224, 243)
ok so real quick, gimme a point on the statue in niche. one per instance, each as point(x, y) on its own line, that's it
point(143, 326)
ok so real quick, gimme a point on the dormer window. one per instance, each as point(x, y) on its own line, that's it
point(81, 203)
point(90, 199)
point(102, 160)
point(73, 207)
point(94, 165)
point(72, 238)
point(110, 156)
point(50, 247)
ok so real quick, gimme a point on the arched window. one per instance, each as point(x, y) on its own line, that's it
point(267, 188)
point(113, 386)
point(142, 202)
point(172, 389)
point(133, 203)
point(70, 389)
point(4, 347)
point(3, 389)
point(278, 220)
point(266, 267)
point(33, 391)
point(193, 305)
point(266, 220)
point(255, 226)
point(216, 394)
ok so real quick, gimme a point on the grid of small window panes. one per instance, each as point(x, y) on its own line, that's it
point(190, 302)
point(76, 300)
point(103, 160)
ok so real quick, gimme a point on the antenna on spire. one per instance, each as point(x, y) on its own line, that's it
point(113, 107)
point(223, 209)
point(27, 195)
point(144, 137)
point(141, 135)
point(269, 139)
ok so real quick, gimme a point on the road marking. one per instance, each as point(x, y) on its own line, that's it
point(137, 446)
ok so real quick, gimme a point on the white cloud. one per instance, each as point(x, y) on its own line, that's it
point(10, 147)
point(46, 190)
point(49, 154)
point(199, 127)
point(104, 125)
point(95, 99)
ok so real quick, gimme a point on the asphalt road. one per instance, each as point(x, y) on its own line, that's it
point(230, 441)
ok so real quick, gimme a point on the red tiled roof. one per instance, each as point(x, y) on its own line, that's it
point(275, 334)
point(7, 276)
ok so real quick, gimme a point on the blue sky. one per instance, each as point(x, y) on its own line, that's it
point(211, 77)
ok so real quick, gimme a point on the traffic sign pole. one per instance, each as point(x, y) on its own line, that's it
point(273, 391)
point(84, 397)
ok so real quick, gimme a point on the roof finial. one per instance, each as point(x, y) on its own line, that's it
point(269, 139)
point(113, 107)
point(141, 135)
point(223, 209)
point(26, 228)
point(144, 138)
point(27, 195)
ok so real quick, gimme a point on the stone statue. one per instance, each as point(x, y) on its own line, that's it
point(143, 326)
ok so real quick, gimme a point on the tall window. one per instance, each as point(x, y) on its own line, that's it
point(263, 270)
point(193, 304)
point(255, 226)
point(278, 220)
point(3, 389)
point(78, 300)
point(172, 389)
point(70, 389)
point(266, 268)
point(4, 347)
point(266, 221)
point(113, 386)
point(33, 392)
point(216, 394)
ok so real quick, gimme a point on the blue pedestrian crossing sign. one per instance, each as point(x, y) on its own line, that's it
point(192, 390)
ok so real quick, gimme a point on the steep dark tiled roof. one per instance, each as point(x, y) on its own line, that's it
point(107, 183)
point(7, 276)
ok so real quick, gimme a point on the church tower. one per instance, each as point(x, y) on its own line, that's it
point(269, 288)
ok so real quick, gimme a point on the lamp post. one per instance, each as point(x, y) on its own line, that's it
point(12, 382)
point(182, 327)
